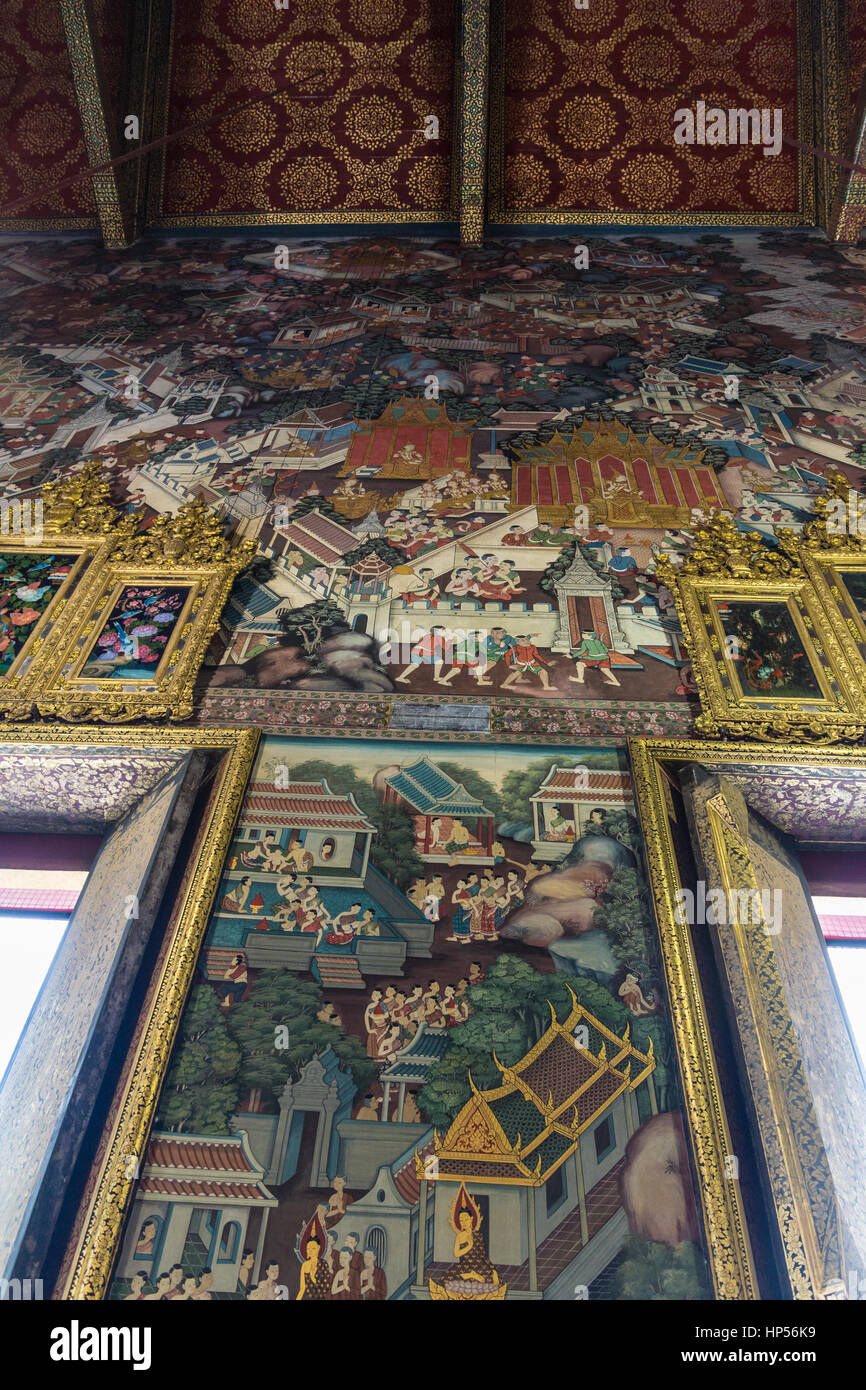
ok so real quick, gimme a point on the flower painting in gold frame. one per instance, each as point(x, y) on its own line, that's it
point(831, 550)
point(137, 650)
point(850, 583)
point(52, 548)
point(766, 663)
point(768, 653)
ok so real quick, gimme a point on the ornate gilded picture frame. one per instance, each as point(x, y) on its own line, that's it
point(97, 1254)
point(136, 647)
point(729, 902)
point(52, 550)
point(832, 553)
point(766, 663)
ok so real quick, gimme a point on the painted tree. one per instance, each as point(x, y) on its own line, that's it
point(193, 405)
point(201, 1088)
point(311, 625)
point(277, 1032)
point(624, 913)
point(393, 851)
point(655, 1272)
point(322, 505)
point(558, 567)
point(376, 545)
point(511, 1010)
point(623, 826)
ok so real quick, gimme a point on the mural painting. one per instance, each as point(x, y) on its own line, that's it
point(426, 1054)
point(136, 634)
point(461, 467)
point(28, 584)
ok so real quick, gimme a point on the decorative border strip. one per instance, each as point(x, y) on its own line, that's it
point(473, 68)
point(304, 218)
point(358, 715)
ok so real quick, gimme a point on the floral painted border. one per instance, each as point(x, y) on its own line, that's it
point(287, 711)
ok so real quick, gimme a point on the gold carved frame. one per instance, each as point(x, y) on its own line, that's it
point(100, 1222)
point(729, 565)
point(793, 1151)
point(185, 550)
point(72, 518)
point(829, 548)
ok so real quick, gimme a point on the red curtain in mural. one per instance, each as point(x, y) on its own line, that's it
point(591, 95)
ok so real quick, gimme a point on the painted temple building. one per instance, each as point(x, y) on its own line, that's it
point(303, 835)
point(541, 1154)
point(412, 439)
point(622, 477)
point(202, 1203)
point(451, 826)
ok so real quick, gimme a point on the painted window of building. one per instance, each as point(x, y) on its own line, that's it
point(605, 1138)
point(555, 1190)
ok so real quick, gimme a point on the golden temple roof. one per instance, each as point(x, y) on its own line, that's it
point(521, 1131)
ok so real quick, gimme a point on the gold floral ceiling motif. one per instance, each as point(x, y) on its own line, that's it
point(590, 96)
point(351, 84)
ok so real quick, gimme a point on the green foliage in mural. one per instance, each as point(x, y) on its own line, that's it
point(510, 1013)
point(228, 1058)
point(625, 915)
point(313, 624)
point(374, 546)
point(201, 1089)
point(322, 505)
point(558, 567)
point(653, 1272)
point(393, 850)
point(278, 1001)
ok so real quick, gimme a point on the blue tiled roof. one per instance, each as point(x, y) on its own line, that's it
point(431, 778)
point(428, 789)
point(418, 798)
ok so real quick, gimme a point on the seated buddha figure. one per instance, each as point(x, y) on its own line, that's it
point(470, 1249)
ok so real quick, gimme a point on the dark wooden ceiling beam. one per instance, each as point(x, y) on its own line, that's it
point(472, 102)
point(150, 94)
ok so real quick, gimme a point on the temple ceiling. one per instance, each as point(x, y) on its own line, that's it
point(410, 112)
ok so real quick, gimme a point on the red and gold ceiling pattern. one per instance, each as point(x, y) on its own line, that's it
point(591, 94)
point(376, 68)
point(40, 131)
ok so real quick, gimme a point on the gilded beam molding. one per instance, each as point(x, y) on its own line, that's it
point(472, 106)
point(830, 74)
point(847, 216)
point(97, 122)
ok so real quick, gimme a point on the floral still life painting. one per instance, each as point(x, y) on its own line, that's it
point(28, 583)
point(136, 634)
